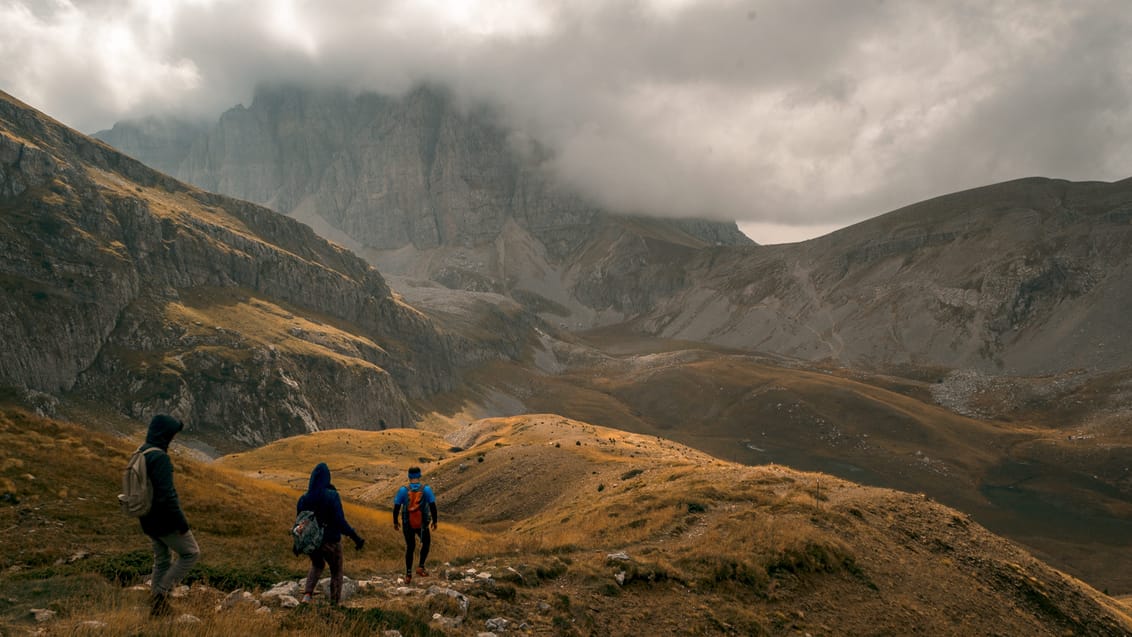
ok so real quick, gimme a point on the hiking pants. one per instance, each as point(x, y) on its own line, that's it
point(411, 545)
point(329, 553)
point(166, 572)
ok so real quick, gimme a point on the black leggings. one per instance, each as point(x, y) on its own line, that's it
point(411, 545)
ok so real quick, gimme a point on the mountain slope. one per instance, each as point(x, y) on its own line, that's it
point(709, 546)
point(123, 285)
point(1027, 277)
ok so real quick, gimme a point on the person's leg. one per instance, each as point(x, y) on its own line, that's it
point(426, 541)
point(162, 559)
point(185, 546)
point(318, 562)
point(334, 559)
point(410, 546)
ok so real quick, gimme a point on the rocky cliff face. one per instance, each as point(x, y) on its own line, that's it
point(420, 185)
point(121, 283)
point(1032, 276)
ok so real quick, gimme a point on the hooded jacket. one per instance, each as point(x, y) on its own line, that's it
point(322, 498)
point(165, 516)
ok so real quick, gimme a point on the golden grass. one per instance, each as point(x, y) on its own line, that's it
point(724, 544)
point(201, 310)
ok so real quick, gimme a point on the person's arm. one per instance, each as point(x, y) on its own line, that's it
point(431, 499)
point(340, 519)
point(398, 500)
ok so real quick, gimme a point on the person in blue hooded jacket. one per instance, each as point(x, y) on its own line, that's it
point(165, 524)
point(414, 511)
point(322, 498)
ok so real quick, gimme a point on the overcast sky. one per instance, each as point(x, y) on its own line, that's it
point(793, 117)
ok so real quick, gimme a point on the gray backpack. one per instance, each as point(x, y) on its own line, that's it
point(137, 491)
point(306, 533)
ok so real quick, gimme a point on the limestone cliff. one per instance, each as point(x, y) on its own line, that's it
point(121, 283)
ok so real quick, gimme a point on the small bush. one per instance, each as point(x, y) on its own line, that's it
point(228, 578)
point(124, 568)
point(811, 558)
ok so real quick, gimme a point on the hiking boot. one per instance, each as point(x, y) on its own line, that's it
point(159, 605)
point(306, 598)
point(421, 572)
point(408, 578)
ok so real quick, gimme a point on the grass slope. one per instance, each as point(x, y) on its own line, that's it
point(713, 547)
point(1059, 488)
point(545, 503)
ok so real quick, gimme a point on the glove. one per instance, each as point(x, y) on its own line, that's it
point(433, 525)
point(359, 543)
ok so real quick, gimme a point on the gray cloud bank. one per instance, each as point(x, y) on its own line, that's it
point(805, 114)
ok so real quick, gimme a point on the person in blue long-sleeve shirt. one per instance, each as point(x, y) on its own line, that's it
point(322, 498)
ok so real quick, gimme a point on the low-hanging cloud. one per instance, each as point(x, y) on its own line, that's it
point(806, 113)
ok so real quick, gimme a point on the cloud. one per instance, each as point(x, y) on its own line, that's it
point(807, 114)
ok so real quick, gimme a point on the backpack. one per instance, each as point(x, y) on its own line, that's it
point(416, 508)
point(306, 533)
point(136, 498)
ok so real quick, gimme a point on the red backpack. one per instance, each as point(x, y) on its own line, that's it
point(416, 508)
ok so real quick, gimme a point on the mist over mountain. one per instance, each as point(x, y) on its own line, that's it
point(420, 185)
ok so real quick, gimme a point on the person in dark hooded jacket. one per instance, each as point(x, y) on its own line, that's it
point(322, 498)
point(165, 524)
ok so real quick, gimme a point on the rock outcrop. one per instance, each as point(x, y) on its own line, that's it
point(122, 283)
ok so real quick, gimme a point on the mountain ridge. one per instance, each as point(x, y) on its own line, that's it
point(101, 254)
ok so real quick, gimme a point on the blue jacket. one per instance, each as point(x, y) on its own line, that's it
point(322, 498)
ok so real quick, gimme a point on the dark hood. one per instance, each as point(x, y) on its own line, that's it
point(320, 478)
point(162, 429)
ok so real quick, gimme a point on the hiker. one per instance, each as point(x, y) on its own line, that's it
point(322, 498)
point(165, 523)
point(411, 515)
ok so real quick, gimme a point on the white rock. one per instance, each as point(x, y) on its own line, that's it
point(287, 601)
point(349, 587)
point(187, 619)
point(281, 589)
point(239, 596)
point(43, 614)
point(497, 624)
point(180, 591)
